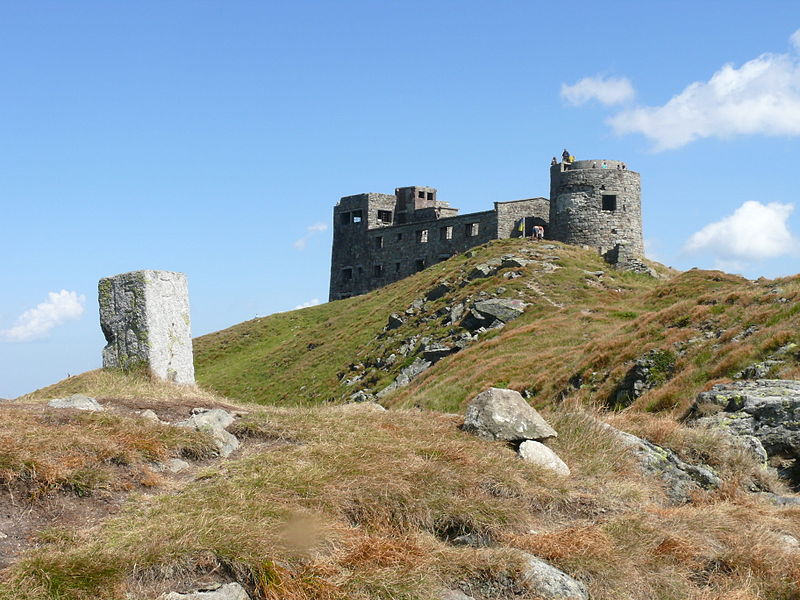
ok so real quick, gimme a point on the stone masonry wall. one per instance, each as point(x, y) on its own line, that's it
point(144, 316)
point(577, 213)
point(509, 214)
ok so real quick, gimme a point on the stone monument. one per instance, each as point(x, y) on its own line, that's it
point(144, 316)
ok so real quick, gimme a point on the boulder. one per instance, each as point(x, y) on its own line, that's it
point(454, 595)
point(547, 582)
point(213, 421)
point(173, 465)
point(483, 270)
point(76, 401)
point(395, 321)
point(766, 409)
point(406, 375)
point(439, 291)
point(226, 591)
point(499, 414)
point(539, 454)
point(437, 351)
point(514, 262)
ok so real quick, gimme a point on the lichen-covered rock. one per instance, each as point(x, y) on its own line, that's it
point(406, 375)
point(395, 321)
point(227, 591)
point(437, 351)
point(493, 312)
point(647, 372)
point(680, 477)
point(439, 291)
point(767, 409)
point(499, 414)
point(454, 595)
point(144, 316)
point(76, 401)
point(539, 454)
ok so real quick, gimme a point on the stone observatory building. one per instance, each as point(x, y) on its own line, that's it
point(381, 238)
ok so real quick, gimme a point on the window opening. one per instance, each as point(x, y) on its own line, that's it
point(420, 264)
point(609, 202)
point(397, 267)
point(357, 216)
point(377, 270)
point(430, 195)
point(421, 195)
point(446, 233)
point(344, 218)
point(347, 274)
point(422, 236)
point(385, 216)
point(471, 229)
point(399, 236)
point(379, 241)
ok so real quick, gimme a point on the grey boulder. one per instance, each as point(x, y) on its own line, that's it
point(213, 421)
point(499, 414)
point(544, 580)
point(76, 401)
point(538, 454)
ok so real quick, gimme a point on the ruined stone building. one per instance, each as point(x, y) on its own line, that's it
point(381, 238)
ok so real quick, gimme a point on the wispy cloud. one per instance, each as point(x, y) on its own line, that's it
point(608, 90)
point(754, 232)
point(312, 302)
point(311, 231)
point(762, 96)
point(37, 322)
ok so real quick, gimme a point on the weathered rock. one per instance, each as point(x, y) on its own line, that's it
point(502, 309)
point(539, 454)
point(406, 375)
point(681, 478)
point(213, 421)
point(361, 396)
point(439, 291)
point(227, 591)
point(437, 351)
point(76, 401)
point(550, 583)
point(173, 465)
point(647, 372)
point(150, 415)
point(144, 316)
point(767, 409)
point(395, 321)
point(456, 312)
point(499, 414)
point(482, 270)
point(514, 262)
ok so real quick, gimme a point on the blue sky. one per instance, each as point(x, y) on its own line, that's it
point(214, 138)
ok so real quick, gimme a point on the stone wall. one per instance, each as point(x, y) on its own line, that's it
point(535, 211)
point(597, 207)
point(144, 316)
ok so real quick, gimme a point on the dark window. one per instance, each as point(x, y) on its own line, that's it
point(422, 236)
point(385, 216)
point(344, 218)
point(421, 194)
point(396, 267)
point(360, 270)
point(420, 264)
point(356, 216)
point(377, 271)
point(399, 236)
point(430, 195)
point(609, 202)
point(347, 274)
point(379, 241)
point(446, 233)
point(471, 229)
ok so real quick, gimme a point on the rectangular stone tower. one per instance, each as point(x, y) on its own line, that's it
point(144, 316)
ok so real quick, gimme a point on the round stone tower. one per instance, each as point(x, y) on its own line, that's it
point(597, 203)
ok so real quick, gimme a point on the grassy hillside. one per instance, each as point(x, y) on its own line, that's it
point(578, 336)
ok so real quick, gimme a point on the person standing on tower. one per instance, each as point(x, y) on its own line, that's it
point(565, 156)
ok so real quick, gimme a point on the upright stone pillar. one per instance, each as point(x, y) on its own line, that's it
point(145, 319)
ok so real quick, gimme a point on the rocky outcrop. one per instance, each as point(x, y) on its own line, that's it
point(213, 421)
point(647, 372)
point(764, 412)
point(77, 402)
point(544, 580)
point(225, 591)
point(499, 414)
point(491, 312)
point(406, 375)
point(681, 479)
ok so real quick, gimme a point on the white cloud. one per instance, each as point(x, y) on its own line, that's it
point(753, 232)
point(35, 323)
point(760, 97)
point(311, 230)
point(795, 40)
point(608, 90)
point(312, 302)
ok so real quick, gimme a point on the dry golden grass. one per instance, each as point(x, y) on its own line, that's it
point(362, 504)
